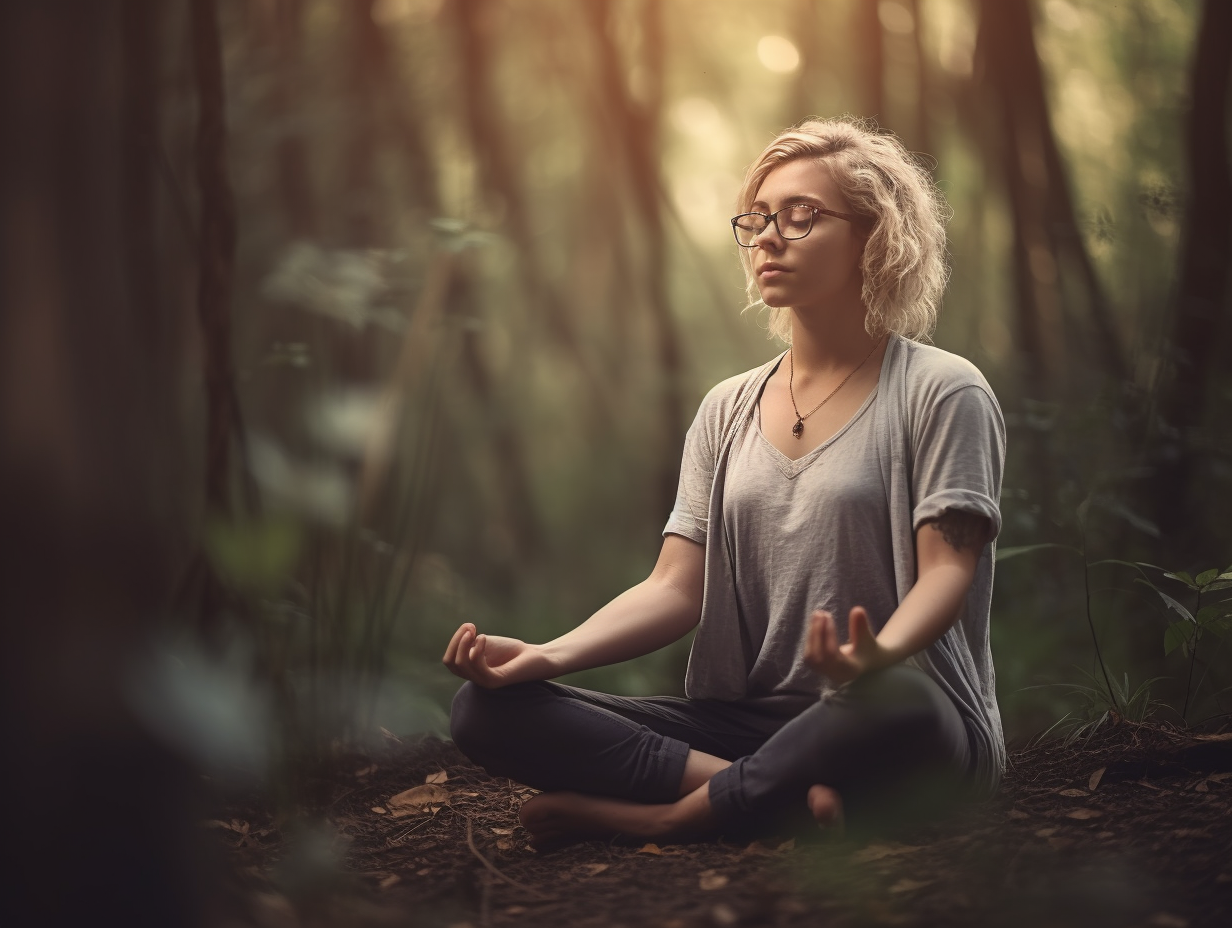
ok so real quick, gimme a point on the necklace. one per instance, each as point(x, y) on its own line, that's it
point(798, 428)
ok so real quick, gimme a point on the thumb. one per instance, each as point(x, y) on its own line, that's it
point(859, 630)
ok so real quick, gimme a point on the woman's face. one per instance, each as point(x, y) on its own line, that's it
point(821, 269)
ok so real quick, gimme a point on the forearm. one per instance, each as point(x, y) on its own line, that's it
point(926, 612)
point(643, 619)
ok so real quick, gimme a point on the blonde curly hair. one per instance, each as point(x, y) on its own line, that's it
point(903, 264)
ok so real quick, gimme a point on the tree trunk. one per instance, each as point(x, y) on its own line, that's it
point(1045, 228)
point(637, 125)
point(1202, 295)
point(216, 255)
point(139, 168)
point(290, 151)
point(491, 148)
point(84, 582)
point(870, 56)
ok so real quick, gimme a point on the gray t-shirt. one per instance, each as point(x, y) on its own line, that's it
point(837, 528)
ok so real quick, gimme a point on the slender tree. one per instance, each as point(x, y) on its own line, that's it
point(636, 124)
point(83, 586)
point(1202, 292)
point(1046, 233)
point(216, 255)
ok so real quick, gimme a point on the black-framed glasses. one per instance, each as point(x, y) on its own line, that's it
point(792, 222)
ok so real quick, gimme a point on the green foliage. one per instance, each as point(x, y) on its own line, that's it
point(1100, 703)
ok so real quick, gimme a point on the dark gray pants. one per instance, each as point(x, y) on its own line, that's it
point(888, 742)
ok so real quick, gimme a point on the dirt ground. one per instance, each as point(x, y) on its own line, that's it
point(1133, 828)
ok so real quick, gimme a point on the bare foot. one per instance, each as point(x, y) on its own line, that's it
point(557, 819)
point(826, 807)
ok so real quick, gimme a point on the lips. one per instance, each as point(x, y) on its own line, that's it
point(770, 270)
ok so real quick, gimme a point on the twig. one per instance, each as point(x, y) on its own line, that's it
point(470, 842)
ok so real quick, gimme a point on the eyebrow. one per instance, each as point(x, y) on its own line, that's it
point(793, 199)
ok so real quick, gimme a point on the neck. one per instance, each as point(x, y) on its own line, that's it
point(820, 346)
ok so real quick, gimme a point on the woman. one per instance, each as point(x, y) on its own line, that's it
point(857, 475)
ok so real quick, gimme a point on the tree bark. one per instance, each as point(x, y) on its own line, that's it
point(216, 255)
point(139, 168)
point(1202, 294)
point(638, 127)
point(870, 55)
point(290, 152)
point(491, 148)
point(1045, 228)
point(87, 577)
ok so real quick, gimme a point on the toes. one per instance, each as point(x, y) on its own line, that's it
point(826, 806)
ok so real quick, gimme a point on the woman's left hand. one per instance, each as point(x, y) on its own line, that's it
point(842, 663)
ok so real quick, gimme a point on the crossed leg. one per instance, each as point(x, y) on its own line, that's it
point(876, 735)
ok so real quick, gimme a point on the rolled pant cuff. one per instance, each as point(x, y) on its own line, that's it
point(727, 800)
point(666, 771)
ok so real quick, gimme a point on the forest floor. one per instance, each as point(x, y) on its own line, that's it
point(1132, 828)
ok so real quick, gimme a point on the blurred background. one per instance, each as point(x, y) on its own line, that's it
point(327, 326)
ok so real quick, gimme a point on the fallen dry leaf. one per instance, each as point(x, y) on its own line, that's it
point(906, 886)
point(1095, 778)
point(391, 880)
point(1084, 814)
point(380, 810)
point(650, 849)
point(788, 845)
point(1224, 736)
point(1168, 920)
point(881, 851)
point(711, 879)
point(515, 910)
point(502, 831)
point(594, 869)
point(418, 799)
point(1202, 786)
point(1220, 777)
point(1075, 793)
point(1046, 832)
point(504, 844)
point(439, 777)
point(724, 915)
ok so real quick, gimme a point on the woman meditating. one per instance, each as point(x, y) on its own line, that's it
point(831, 542)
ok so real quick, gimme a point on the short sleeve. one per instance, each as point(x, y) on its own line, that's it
point(690, 515)
point(959, 457)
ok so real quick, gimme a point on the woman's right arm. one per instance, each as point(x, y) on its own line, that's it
point(661, 609)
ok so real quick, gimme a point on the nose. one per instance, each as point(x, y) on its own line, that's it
point(769, 238)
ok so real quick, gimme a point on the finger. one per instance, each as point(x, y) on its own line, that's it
point(451, 651)
point(858, 630)
point(466, 650)
point(813, 646)
point(831, 636)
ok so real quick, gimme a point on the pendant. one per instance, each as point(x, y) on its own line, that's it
point(798, 428)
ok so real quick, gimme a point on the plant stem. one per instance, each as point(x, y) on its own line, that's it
point(1086, 580)
point(1193, 656)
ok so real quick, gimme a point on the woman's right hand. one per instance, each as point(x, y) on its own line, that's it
point(491, 661)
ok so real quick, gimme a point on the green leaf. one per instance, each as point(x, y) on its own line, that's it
point(1220, 626)
point(1213, 612)
point(1168, 600)
point(1184, 578)
point(1004, 554)
point(1177, 635)
point(1206, 576)
point(1216, 586)
point(255, 556)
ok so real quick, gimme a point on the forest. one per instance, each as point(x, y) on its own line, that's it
point(328, 325)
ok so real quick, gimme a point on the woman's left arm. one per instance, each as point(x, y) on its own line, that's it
point(947, 551)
